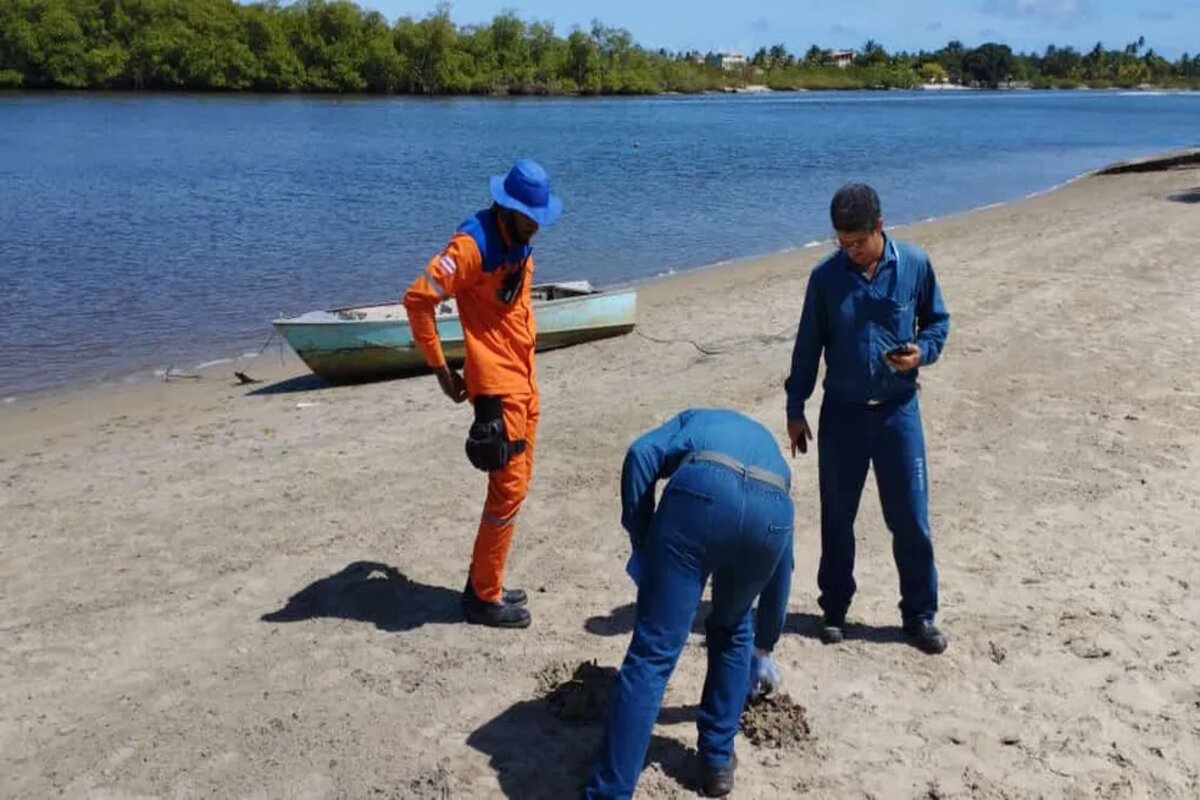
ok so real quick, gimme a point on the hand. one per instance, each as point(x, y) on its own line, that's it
point(452, 384)
point(799, 434)
point(906, 361)
point(764, 675)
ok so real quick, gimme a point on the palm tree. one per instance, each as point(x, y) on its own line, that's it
point(872, 53)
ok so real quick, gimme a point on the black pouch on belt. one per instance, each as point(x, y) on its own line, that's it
point(488, 446)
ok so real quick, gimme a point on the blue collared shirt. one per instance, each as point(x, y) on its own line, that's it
point(855, 321)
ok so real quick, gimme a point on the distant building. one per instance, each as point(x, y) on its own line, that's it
point(726, 61)
point(839, 58)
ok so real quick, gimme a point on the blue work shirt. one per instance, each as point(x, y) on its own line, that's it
point(855, 321)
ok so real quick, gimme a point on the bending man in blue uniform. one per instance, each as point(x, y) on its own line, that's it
point(724, 512)
point(874, 308)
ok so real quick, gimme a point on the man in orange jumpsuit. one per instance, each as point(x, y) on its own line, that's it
point(487, 268)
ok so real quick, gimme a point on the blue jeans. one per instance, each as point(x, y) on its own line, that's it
point(713, 521)
point(888, 435)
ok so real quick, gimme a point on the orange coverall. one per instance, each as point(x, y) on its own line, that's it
point(489, 278)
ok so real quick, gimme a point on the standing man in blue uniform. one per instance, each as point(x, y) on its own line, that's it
point(726, 512)
point(874, 308)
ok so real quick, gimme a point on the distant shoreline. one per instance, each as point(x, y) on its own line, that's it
point(6, 92)
point(347, 47)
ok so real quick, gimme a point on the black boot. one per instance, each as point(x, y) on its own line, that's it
point(832, 629)
point(513, 597)
point(717, 782)
point(494, 615)
point(925, 636)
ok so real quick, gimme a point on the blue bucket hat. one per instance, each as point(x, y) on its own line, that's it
point(526, 189)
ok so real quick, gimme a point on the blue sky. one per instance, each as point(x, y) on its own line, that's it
point(1170, 26)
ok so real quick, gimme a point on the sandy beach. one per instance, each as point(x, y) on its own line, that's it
point(214, 590)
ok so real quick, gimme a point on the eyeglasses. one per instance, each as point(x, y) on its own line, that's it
point(852, 241)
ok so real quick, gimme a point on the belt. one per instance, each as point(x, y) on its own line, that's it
point(916, 388)
point(764, 475)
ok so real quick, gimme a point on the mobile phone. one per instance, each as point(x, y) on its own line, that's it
point(897, 351)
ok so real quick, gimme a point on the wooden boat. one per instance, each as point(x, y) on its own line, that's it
point(373, 341)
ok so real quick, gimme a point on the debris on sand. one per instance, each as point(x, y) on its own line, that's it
point(577, 695)
point(775, 721)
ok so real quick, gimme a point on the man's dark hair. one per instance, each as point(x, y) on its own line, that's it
point(855, 208)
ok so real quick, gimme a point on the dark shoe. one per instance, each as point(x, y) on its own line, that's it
point(514, 597)
point(494, 615)
point(717, 782)
point(831, 630)
point(925, 637)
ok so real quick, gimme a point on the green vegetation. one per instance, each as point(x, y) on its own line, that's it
point(337, 46)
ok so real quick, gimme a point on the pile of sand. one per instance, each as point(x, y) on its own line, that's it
point(578, 695)
point(775, 721)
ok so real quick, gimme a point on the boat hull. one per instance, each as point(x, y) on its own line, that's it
point(347, 350)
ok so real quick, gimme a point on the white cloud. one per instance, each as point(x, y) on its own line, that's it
point(1061, 9)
